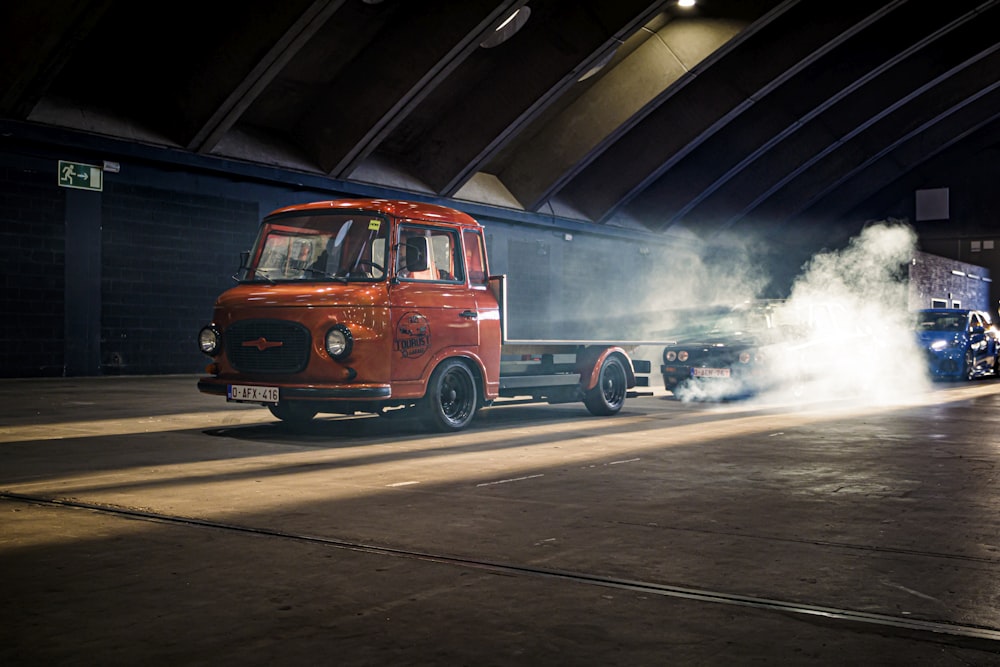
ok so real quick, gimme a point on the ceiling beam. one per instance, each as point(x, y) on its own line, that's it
point(945, 118)
point(704, 102)
point(245, 91)
point(36, 40)
point(563, 146)
point(391, 76)
point(811, 111)
point(939, 62)
point(559, 43)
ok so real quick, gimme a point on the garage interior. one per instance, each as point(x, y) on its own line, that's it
point(688, 152)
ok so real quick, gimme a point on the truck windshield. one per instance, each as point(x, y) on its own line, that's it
point(319, 247)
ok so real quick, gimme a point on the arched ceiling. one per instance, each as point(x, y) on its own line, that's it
point(630, 113)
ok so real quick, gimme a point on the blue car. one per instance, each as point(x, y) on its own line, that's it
point(960, 344)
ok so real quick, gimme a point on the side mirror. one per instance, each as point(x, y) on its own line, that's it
point(417, 253)
point(242, 270)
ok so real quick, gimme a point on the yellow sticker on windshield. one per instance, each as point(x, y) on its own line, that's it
point(374, 225)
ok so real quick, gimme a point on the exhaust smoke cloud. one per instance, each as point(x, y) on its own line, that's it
point(860, 342)
point(843, 332)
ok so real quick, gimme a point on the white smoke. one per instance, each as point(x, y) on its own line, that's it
point(858, 340)
point(689, 276)
point(843, 330)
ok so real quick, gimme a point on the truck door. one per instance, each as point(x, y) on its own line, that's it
point(433, 309)
point(490, 337)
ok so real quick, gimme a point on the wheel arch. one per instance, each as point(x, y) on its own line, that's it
point(474, 363)
point(589, 364)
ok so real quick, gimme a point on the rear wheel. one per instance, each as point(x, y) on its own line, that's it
point(451, 398)
point(608, 395)
point(294, 413)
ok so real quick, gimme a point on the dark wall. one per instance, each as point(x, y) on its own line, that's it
point(116, 281)
point(32, 254)
point(165, 256)
point(971, 231)
point(119, 281)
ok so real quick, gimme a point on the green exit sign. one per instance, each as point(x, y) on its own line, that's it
point(82, 176)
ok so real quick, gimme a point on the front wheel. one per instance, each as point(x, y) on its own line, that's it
point(608, 395)
point(451, 397)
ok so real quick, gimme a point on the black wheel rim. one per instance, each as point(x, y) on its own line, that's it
point(457, 396)
point(613, 384)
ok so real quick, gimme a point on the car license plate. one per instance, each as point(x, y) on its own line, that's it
point(252, 394)
point(710, 372)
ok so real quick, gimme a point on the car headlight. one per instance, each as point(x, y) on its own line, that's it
point(682, 355)
point(208, 340)
point(744, 357)
point(339, 341)
point(670, 355)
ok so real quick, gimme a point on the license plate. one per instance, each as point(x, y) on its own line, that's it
point(252, 393)
point(710, 372)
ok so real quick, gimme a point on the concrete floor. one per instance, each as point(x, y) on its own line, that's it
point(144, 523)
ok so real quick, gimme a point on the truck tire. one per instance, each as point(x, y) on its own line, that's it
point(296, 414)
point(451, 398)
point(608, 395)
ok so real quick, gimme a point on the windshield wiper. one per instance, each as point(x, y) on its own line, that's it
point(262, 273)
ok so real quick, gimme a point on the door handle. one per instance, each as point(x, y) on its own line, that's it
point(471, 314)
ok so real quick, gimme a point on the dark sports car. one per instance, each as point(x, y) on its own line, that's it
point(960, 344)
point(730, 352)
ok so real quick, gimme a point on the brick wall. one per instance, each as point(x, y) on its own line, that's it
point(166, 255)
point(161, 255)
point(32, 247)
point(955, 283)
point(981, 251)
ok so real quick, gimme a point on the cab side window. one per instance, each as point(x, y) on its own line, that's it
point(475, 258)
point(444, 263)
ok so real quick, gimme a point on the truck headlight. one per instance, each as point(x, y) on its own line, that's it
point(208, 340)
point(339, 341)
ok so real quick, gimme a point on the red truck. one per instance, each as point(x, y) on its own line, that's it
point(366, 305)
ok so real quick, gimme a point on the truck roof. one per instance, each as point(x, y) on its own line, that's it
point(393, 207)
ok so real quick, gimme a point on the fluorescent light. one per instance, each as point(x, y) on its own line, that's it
point(508, 28)
point(511, 18)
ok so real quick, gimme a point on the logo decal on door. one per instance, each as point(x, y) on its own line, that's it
point(413, 335)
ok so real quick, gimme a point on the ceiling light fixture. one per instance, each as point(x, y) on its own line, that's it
point(507, 28)
point(686, 4)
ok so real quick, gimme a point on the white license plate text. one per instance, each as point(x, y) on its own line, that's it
point(710, 372)
point(252, 394)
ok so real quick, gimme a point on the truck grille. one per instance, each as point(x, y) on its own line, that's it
point(267, 346)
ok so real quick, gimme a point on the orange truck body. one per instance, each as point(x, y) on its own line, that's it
point(363, 305)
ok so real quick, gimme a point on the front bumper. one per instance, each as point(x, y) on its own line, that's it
point(219, 387)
